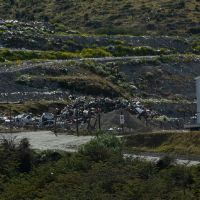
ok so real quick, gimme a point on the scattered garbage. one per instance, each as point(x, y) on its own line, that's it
point(87, 112)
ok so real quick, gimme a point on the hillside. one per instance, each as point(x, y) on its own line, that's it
point(165, 84)
point(91, 67)
point(36, 60)
point(142, 17)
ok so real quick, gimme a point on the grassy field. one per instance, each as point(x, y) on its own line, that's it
point(109, 16)
point(166, 142)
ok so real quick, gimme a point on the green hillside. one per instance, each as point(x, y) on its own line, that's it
point(110, 16)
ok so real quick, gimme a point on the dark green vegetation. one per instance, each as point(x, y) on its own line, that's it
point(7, 55)
point(97, 171)
point(196, 47)
point(108, 16)
point(167, 142)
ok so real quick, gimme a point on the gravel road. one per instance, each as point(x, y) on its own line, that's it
point(44, 140)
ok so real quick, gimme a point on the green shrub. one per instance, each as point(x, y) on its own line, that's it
point(25, 156)
point(60, 27)
point(122, 51)
point(196, 49)
point(6, 54)
point(165, 162)
point(102, 147)
point(99, 70)
point(96, 52)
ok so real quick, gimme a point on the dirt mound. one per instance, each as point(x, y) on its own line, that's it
point(111, 121)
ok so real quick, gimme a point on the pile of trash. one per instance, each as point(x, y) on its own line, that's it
point(87, 113)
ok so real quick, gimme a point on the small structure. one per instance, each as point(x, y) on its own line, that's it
point(196, 126)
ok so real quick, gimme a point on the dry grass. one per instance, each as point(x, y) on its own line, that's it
point(171, 142)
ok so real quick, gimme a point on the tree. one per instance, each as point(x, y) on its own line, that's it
point(25, 156)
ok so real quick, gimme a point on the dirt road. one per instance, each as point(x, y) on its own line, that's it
point(44, 140)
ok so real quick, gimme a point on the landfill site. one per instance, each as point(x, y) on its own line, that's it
point(84, 114)
point(129, 91)
point(90, 115)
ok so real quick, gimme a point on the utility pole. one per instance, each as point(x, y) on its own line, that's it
point(99, 119)
point(122, 121)
point(55, 121)
point(10, 112)
point(77, 125)
point(10, 116)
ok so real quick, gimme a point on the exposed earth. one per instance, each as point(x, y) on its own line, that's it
point(44, 140)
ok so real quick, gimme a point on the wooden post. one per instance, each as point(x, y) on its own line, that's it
point(99, 119)
point(122, 121)
point(55, 121)
point(10, 116)
point(77, 125)
point(10, 112)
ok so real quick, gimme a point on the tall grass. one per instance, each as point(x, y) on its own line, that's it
point(174, 142)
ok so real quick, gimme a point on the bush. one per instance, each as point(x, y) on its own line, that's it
point(9, 143)
point(6, 54)
point(25, 156)
point(15, 157)
point(194, 30)
point(96, 52)
point(180, 4)
point(165, 162)
point(102, 147)
point(196, 49)
point(47, 156)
